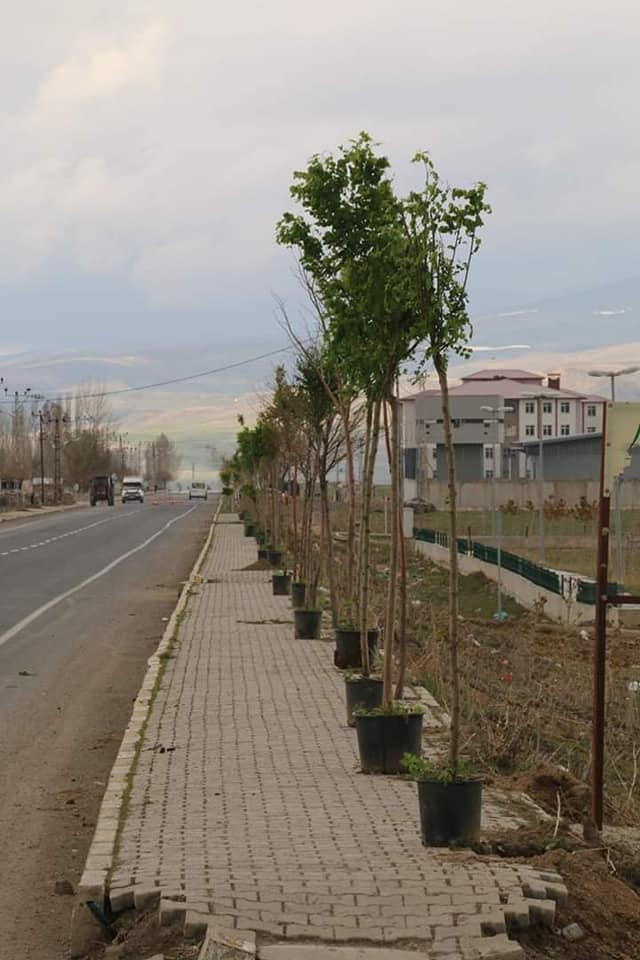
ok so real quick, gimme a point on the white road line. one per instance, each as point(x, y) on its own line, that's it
point(70, 533)
point(18, 627)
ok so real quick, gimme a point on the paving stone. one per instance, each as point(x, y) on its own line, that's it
point(299, 951)
point(259, 815)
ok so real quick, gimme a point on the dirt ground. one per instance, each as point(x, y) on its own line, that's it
point(607, 910)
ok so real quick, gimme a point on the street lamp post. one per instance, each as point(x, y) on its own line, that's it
point(540, 397)
point(617, 483)
point(494, 421)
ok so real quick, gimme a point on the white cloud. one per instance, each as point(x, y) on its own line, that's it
point(155, 146)
point(108, 70)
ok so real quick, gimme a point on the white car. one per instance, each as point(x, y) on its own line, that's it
point(198, 490)
point(133, 489)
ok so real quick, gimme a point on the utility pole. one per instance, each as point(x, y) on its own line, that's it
point(40, 417)
point(540, 397)
point(494, 422)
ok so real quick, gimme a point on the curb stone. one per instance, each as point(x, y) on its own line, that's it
point(101, 856)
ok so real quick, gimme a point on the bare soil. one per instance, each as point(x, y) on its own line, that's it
point(139, 935)
point(607, 910)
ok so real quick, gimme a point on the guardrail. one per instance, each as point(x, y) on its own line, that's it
point(582, 591)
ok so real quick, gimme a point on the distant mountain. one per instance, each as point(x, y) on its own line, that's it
point(599, 316)
point(200, 415)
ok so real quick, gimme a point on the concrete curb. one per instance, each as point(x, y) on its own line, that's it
point(33, 513)
point(104, 846)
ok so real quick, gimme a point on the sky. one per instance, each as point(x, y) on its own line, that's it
point(148, 148)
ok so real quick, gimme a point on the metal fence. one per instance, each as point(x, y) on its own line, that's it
point(582, 591)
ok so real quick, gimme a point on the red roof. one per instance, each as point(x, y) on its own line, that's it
point(504, 375)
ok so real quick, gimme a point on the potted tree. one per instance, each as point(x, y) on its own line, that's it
point(347, 654)
point(352, 242)
point(443, 225)
point(450, 805)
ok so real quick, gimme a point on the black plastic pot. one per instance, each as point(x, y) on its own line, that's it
point(450, 812)
point(298, 591)
point(307, 624)
point(347, 655)
point(383, 740)
point(263, 553)
point(281, 583)
point(275, 558)
point(362, 692)
point(249, 529)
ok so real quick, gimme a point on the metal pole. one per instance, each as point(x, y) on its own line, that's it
point(498, 524)
point(600, 645)
point(541, 485)
point(41, 460)
point(618, 514)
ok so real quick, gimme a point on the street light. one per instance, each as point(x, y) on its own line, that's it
point(612, 374)
point(540, 397)
point(617, 484)
point(496, 514)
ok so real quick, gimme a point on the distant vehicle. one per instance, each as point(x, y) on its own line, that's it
point(132, 489)
point(101, 488)
point(420, 506)
point(198, 490)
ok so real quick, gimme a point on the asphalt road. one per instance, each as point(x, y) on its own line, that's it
point(84, 598)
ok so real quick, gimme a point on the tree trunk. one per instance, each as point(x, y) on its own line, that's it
point(391, 438)
point(295, 521)
point(454, 739)
point(365, 528)
point(324, 506)
point(311, 576)
point(351, 525)
point(402, 586)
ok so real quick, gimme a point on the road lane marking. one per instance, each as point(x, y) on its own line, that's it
point(18, 627)
point(70, 533)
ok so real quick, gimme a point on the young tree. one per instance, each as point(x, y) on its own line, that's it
point(352, 244)
point(442, 227)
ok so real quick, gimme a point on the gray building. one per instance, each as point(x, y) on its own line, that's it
point(573, 458)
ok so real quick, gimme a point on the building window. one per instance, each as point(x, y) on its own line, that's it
point(564, 430)
point(529, 407)
point(565, 407)
point(488, 453)
point(591, 429)
point(591, 410)
point(489, 475)
point(547, 407)
point(546, 430)
point(529, 430)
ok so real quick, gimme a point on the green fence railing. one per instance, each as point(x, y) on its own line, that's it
point(551, 580)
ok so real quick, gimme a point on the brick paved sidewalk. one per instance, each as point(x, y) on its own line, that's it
point(247, 802)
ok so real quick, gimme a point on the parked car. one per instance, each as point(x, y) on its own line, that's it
point(198, 490)
point(419, 505)
point(101, 488)
point(133, 489)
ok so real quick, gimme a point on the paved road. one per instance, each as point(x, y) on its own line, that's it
point(83, 599)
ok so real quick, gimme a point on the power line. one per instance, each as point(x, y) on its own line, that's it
point(167, 383)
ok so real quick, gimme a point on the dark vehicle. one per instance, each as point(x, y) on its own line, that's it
point(101, 489)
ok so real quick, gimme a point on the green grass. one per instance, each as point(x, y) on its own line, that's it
point(570, 544)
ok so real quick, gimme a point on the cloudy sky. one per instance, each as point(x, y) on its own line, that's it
point(148, 148)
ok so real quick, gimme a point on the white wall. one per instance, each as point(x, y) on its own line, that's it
point(527, 594)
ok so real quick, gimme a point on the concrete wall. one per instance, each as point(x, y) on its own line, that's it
point(527, 594)
point(577, 459)
point(477, 495)
point(469, 462)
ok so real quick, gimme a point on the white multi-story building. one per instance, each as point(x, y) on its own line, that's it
point(528, 406)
